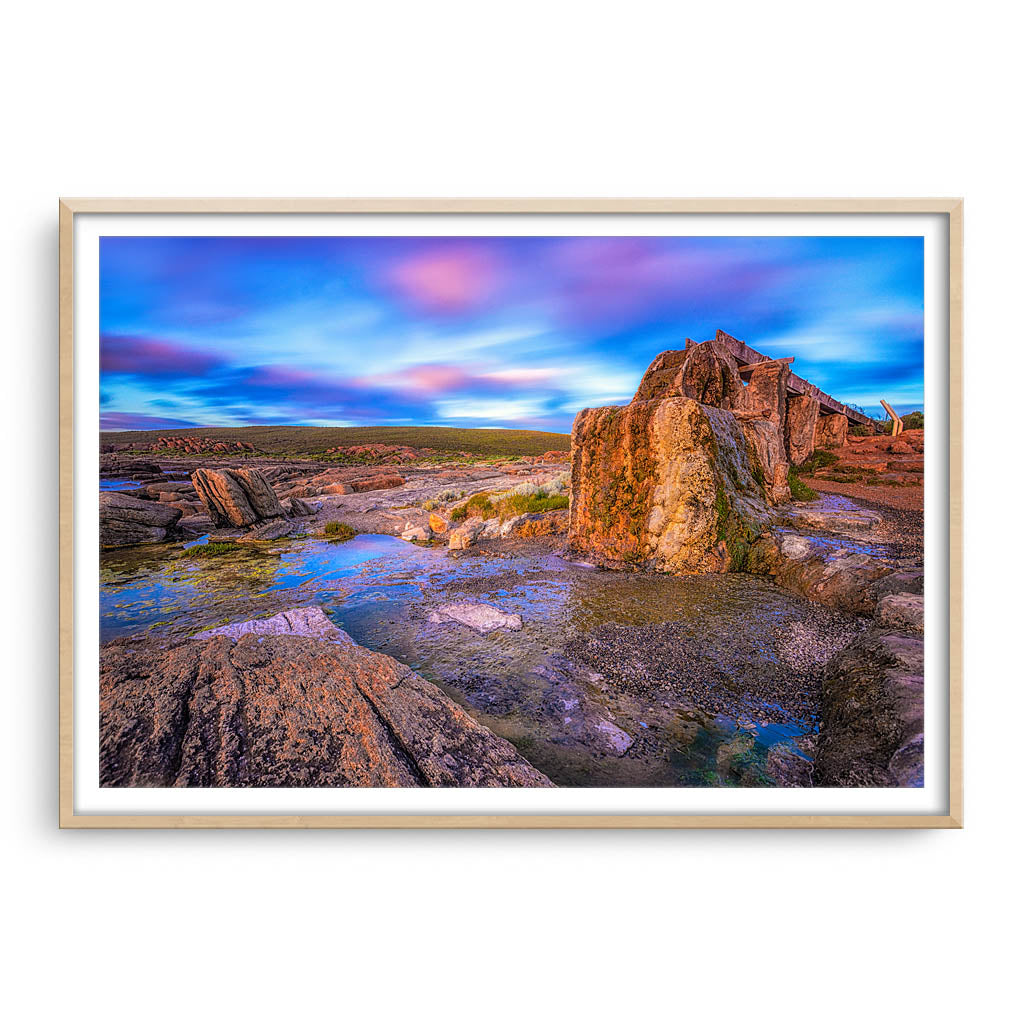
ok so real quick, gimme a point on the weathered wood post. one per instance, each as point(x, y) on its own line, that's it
point(897, 423)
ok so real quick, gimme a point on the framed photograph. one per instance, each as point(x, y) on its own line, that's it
point(510, 513)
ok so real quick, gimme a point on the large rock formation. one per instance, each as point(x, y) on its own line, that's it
point(831, 431)
point(236, 497)
point(287, 701)
point(801, 424)
point(664, 484)
point(125, 520)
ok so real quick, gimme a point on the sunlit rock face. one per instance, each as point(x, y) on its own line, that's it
point(831, 431)
point(801, 422)
point(666, 485)
point(682, 478)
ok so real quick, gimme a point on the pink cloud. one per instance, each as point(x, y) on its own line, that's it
point(448, 280)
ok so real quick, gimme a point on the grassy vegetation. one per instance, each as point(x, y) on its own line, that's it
point(311, 441)
point(339, 531)
point(819, 459)
point(214, 549)
point(800, 490)
point(504, 506)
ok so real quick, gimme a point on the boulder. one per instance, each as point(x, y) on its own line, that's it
point(297, 507)
point(831, 431)
point(438, 524)
point(125, 521)
point(801, 423)
point(288, 701)
point(664, 485)
point(484, 618)
point(236, 497)
point(412, 532)
point(464, 536)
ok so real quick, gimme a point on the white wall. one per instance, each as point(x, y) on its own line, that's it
point(509, 99)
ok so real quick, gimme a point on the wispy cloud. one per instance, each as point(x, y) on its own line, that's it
point(483, 331)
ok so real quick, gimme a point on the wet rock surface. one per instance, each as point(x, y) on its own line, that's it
point(872, 729)
point(286, 704)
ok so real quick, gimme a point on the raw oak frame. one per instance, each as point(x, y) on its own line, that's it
point(951, 207)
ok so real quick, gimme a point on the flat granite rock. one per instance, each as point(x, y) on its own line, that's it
point(484, 618)
point(287, 701)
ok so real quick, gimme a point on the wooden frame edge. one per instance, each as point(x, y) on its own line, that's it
point(69, 207)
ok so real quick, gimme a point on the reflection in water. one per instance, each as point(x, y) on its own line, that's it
point(570, 717)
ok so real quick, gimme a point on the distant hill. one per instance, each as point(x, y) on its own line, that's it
point(313, 440)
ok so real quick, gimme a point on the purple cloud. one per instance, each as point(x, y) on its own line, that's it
point(140, 421)
point(149, 357)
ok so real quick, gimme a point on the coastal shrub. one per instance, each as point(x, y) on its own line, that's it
point(429, 505)
point(448, 495)
point(800, 490)
point(913, 421)
point(458, 514)
point(819, 459)
point(861, 430)
point(339, 531)
point(561, 483)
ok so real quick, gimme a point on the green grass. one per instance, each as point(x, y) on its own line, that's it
point(819, 459)
point(339, 531)
point(800, 490)
point(212, 550)
point(487, 506)
point(310, 441)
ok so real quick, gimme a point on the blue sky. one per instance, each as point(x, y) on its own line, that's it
point(484, 332)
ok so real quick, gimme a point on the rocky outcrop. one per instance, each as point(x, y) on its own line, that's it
point(125, 520)
point(707, 373)
point(236, 497)
point(872, 726)
point(831, 431)
point(287, 701)
point(663, 484)
point(801, 423)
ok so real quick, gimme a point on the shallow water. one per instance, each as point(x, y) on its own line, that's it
point(564, 689)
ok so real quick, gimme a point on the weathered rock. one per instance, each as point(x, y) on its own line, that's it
point(663, 484)
point(437, 523)
point(378, 483)
point(195, 525)
point(416, 533)
point(310, 622)
point(125, 521)
point(873, 714)
point(540, 524)
point(840, 580)
point(272, 529)
point(464, 536)
point(766, 394)
point(298, 507)
point(831, 431)
point(260, 494)
point(291, 702)
point(236, 497)
point(707, 373)
point(801, 424)
point(484, 618)
point(768, 461)
point(901, 611)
